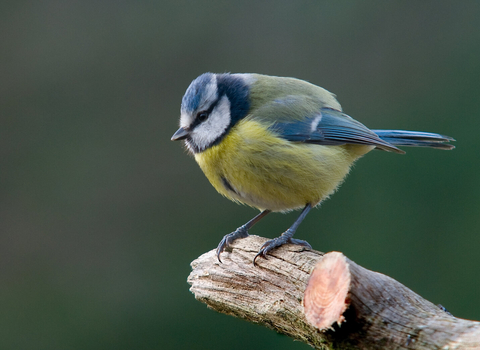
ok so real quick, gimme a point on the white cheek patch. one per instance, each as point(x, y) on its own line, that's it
point(210, 130)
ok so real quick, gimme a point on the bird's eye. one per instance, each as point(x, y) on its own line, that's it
point(202, 116)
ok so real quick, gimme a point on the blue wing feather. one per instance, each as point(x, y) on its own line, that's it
point(415, 138)
point(331, 127)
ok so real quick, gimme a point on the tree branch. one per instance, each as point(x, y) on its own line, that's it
point(346, 305)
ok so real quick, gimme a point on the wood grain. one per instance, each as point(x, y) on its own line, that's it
point(374, 311)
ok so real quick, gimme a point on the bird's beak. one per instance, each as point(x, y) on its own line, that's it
point(181, 134)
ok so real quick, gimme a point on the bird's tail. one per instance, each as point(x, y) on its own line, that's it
point(415, 138)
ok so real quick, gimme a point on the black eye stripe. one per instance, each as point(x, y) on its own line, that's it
point(207, 112)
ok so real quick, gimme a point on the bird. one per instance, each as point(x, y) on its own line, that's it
point(278, 144)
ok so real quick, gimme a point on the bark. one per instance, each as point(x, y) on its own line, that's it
point(326, 301)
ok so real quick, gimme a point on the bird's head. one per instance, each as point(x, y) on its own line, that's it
point(211, 106)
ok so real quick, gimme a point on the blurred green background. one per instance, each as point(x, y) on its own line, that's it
point(101, 214)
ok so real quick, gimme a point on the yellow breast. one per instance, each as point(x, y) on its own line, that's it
point(251, 165)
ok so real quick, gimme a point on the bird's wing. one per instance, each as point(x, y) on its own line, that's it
point(330, 127)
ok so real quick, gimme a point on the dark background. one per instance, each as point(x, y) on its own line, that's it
point(100, 214)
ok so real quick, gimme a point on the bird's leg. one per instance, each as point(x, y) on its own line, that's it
point(285, 237)
point(240, 232)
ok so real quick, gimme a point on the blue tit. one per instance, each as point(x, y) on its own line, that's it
point(278, 144)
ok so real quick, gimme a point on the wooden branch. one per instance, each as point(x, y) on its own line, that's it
point(346, 305)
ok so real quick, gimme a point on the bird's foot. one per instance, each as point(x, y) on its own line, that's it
point(240, 232)
point(277, 242)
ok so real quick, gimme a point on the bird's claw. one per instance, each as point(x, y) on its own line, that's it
point(300, 242)
point(277, 242)
point(240, 232)
point(267, 247)
point(221, 247)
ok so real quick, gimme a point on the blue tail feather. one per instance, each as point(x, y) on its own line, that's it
point(415, 138)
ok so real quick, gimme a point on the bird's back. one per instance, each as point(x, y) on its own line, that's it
point(283, 99)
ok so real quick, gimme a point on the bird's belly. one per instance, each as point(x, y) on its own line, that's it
point(272, 173)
